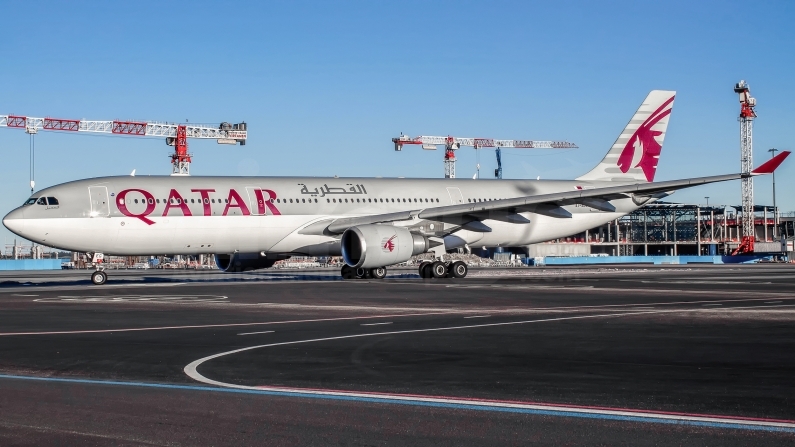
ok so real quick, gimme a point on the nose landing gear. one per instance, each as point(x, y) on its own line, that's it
point(99, 277)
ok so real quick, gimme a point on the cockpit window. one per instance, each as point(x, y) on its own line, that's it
point(52, 201)
point(31, 201)
point(42, 201)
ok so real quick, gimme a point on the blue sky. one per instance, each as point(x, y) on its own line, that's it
point(324, 86)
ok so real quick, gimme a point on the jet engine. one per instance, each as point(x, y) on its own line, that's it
point(369, 246)
point(243, 262)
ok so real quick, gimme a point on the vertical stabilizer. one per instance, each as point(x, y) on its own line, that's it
point(635, 153)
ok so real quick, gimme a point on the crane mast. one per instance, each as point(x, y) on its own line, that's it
point(452, 144)
point(746, 118)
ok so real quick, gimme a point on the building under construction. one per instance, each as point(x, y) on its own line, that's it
point(672, 229)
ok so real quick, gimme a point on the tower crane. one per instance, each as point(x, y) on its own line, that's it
point(452, 144)
point(175, 134)
point(746, 118)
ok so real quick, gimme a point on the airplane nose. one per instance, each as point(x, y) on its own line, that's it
point(15, 221)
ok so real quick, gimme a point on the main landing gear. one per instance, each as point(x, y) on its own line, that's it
point(439, 269)
point(362, 273)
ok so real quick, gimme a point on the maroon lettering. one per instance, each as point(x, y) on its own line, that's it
point(235, 201)
point(205, 193)
point(180, 203)
point(121, 203)
point(269, 202)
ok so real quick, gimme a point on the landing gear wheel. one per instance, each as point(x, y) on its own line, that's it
point(378, 273)
point(361, 273)
point(99, 277)
point(438, 269)
point(424, 271)
point(347, 272)
point(459, 269)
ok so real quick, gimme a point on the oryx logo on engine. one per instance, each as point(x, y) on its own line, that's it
point(387, 244)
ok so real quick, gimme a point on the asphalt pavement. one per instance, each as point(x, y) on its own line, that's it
point(638, 355)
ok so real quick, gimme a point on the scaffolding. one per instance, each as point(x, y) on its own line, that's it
point(680, 229)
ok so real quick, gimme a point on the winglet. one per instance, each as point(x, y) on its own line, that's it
point(769, 166)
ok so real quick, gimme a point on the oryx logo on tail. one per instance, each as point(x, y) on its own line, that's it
point(643, 150)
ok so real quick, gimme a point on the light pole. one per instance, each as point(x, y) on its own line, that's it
point(707, 197)
point(775, 210)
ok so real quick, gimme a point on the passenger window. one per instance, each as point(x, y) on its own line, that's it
point(328, 200)
point(42, 201)
point(335, 200)
point(31, 201)
point(303, 200)
point(291, 200)
point(52, 201)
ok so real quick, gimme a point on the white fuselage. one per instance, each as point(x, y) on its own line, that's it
point(195, 215)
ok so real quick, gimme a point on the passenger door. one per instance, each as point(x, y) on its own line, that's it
point(256, 202)
point(455, 196)
point(100, 202)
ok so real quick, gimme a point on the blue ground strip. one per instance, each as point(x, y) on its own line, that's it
point(386, 400)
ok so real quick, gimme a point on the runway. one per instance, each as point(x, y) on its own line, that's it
point(615, 356)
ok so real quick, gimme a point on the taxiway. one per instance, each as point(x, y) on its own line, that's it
point(614, 356)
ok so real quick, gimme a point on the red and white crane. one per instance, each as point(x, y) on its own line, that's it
point(746, 118)
point(175, 134)
point(452, 144)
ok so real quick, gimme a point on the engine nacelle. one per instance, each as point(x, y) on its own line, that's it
point(243, 262)
point(369, 246)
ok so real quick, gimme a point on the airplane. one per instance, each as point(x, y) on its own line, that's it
point(250, 223)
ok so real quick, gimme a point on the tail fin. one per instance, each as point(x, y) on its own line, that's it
point(635, 153)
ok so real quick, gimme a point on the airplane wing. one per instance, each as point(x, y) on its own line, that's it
point(547, 204)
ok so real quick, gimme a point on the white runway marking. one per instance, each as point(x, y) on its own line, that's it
point(478, 316)
point(376, 324)
point(191, 370)
point(135, 298)
point(252, 333)
point(202, 326)
point(772, 302)
point(19, 294)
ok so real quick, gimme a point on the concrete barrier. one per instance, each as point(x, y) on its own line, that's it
point(31, 264)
